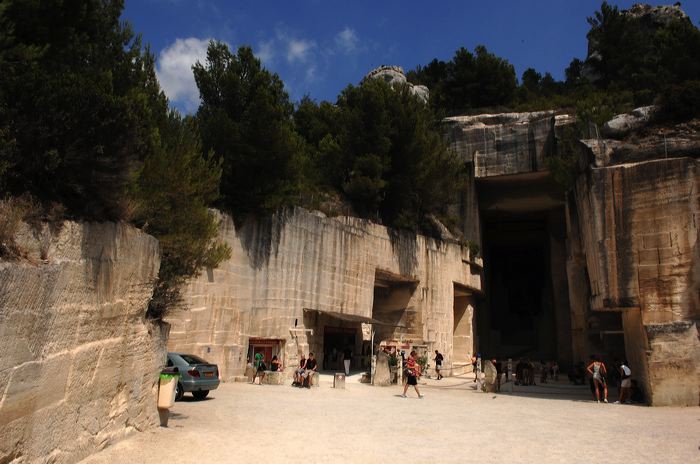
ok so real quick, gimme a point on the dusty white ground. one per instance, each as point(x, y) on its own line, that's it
point(453, 423)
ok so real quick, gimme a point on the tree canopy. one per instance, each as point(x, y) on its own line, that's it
point(245, 117)
point(84, 123)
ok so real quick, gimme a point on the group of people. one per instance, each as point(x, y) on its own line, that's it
point(260, 367)
point(304, 374)
point(621, 376)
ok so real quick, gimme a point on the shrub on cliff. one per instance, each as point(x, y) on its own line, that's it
point(245, 116)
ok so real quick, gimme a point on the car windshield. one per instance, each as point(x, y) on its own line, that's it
point(191, 359)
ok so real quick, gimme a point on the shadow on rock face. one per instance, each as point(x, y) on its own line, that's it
point(260, 235)
point(405, 246)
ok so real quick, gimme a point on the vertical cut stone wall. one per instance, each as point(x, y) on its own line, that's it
point(285, 265)
point(78, 364)
point(638, 225)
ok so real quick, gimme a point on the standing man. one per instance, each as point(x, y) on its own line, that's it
point(259, 367)
point(347, 358)
point(438, 364)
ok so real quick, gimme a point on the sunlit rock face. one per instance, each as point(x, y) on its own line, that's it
point(394, 75)
point(298, 279)
point(633, 214)
point(78, 364)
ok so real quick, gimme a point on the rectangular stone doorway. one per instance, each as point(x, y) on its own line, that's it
point(462, 339)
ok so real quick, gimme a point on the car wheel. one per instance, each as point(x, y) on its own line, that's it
point(200, 395)
point(179, 392)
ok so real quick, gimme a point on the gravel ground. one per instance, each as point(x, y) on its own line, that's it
point(452, 423)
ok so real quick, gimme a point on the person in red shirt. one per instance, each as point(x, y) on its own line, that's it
point(412, 374)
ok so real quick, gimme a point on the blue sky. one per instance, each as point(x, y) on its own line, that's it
point(318, 47)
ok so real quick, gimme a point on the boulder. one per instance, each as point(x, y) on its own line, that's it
point(490, 376)
point(623, 124)
point(382, 373)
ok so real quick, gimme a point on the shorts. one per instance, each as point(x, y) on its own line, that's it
point(412, 380)
point(306, 373)
point(438, 366)
point(626, 383)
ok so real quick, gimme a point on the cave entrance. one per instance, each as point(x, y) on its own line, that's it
point(524, 311)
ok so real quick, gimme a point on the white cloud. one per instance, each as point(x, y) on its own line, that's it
point(299, 49)
point(346, 40)
point(266, 51)
point(174, 70)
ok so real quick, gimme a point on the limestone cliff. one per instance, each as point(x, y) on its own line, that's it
point(78, 363)
point(633, 217)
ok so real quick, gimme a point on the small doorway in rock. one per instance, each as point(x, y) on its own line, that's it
point(335, 341)
point(268, 347)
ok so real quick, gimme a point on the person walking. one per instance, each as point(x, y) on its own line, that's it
point(347, 359)
point(598, 372)
point(412, 374)
point(438, 363)
point(625, 383)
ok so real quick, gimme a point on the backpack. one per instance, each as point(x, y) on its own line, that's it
point(626, 372)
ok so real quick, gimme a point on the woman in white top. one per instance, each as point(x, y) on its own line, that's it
point(597, 370)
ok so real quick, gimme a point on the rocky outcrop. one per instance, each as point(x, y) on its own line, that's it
point(298, 276)
point(506, 143)
point(78, 363)
point(623, 124)
point(394, 75)
point(656, 15)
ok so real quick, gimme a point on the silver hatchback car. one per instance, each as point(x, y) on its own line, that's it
point(196, 375)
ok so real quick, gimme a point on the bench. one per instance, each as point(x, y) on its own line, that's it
point(271, 377)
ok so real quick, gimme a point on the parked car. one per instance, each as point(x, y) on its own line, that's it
point(196, 375)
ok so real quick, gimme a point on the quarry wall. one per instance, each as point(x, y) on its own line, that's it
point(637, 224)
point(299, 271)
point(78, 364)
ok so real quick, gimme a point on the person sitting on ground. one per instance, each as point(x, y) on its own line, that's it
point(259, 367)
point(298, 373)
point(438, 363)
point(311, 368)
point(275, 364)
point(412, 374)
point(625, 383)
point(598, 372)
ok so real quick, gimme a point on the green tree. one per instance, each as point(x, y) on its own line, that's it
point(173, 191)
point(83, 122)
point(387, 153)
point(469, 80)
point(246, 117)
point(79, 103)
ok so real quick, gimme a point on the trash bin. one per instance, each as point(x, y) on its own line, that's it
point(166, 393)
point(339, 380)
